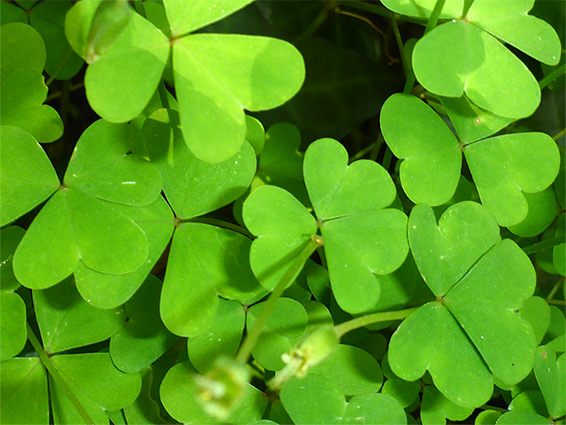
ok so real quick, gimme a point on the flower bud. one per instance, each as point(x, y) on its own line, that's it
point(222, 388)
point(314, 348)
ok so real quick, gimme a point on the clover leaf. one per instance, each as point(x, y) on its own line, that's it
point(144, 338)
point(67, 321)
point(471, 334)
point(435, 408)
point(104, 290)
point(26, 171)
point(78, 224)
point(205, 260)
point(550, 372)
point(316, 400)
point(463, 56)
point(23, 88)
point(502, 166)
point(220, 75)
point(24, 378)
point(349, 202)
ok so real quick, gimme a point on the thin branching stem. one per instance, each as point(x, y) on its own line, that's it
point(360, 322)
point(554, 75)
point(59, 381)
point(252, 337)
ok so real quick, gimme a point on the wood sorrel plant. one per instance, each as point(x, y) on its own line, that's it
point(167, 260)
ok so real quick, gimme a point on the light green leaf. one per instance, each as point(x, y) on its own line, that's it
point(218, 75)
point(445, 253)
point(521, 417)
point(431, 339)
point(496, 286)
point(223, 338)
point(23, 94)
point(471, 122)
point(431, 156)
point(48, 252)
point(185, 17)
point(537, 312)
point(358, 248)
point(352, 370)
point(24, 392)
point(283, 226)
point(435, 408)
point(21, 47)
point(424, 8)
point(121, 83)
point(66, 230)
point(550, 377)
point(78, 21)
point(102, 166)
point(283, 328)
point(512, 160)
point(144, 338)
point(67, 321)
point(404, 392)
point(28, 178)
point(374, 409)
point(94, 380)
point(457, 57)
point(109, 290)
point(542, 210)
point(12, 325)
point(194, 187)
point(510, 22)
point(337, 189)
point(145, 409)
point(313, 400)
point(189, 299)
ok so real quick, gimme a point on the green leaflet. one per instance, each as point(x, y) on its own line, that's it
point(502, 167)
point(218, 75)
point(78, 224)
point(361, 238)
point(458, 57)
point(28, 178)
point(473, 317)
point(23, 90)
point(67, 321)
point(25, 394)
point(144, 338)
point(186, 17)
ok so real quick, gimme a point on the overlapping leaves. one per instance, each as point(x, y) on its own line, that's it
point(23, 88)
point(471, 334)
point(80, 223)
point(216, 76)
point(464, 56)
point(503, 167)
point(205, 260)
point(362, 239)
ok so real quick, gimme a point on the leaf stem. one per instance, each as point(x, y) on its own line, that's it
point(60, 93)
point(559, 134)
point(252, 337)
point(364, 151)
point(547, 243)
point(404, 59)
point(555, 289)
point(556, 302)
point(360, 322)
point(377, 9)
point(554, 75)
point(59, 381)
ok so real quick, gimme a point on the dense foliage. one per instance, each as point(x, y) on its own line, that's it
point(185, 240)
